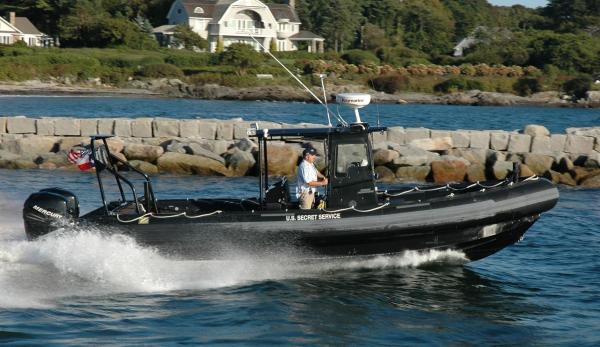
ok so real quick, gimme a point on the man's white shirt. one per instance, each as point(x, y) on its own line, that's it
point(307, 172)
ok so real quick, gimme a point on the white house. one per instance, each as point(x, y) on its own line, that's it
point(20, 29)
point(238, 21)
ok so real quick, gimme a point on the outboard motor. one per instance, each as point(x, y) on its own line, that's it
point(47, 209)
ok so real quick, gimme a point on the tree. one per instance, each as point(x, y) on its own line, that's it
point(578, 87)
point(383, 13)
point(242, 56)
point(188, 38)
point(343, 23)
point(360, 57)
point(428, 26)
point(89, 25)
point(569, 52)
point(569, 15)
point(373, 37)
point(220, 46)
point(526, 86)
point(123, 32)
point(81, 27)
point(157, 10)
point(500, 47)
point(144, 24)
point(468, 15)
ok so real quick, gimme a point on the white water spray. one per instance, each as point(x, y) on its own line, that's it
point(90, 262)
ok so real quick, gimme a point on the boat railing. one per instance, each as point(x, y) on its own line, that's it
point(105, 160)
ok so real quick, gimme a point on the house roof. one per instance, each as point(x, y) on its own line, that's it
point(221, 7)
point(7, 23)
point(216, 9)
point(164, 29)
point(283, 11)
point(26, 27)
point(306, 35)
point(207, 6)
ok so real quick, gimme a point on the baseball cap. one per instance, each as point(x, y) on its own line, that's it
point(310, 151)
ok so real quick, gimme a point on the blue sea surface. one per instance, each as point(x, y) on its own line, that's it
point(88, 287)
point(429, 116)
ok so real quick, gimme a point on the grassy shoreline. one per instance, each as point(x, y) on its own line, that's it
point(128, 71)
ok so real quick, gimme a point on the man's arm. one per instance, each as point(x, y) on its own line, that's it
point(321, 180)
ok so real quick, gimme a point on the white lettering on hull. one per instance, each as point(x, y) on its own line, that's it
point(312, 217)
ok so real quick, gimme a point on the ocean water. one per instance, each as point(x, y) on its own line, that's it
point(430, 116)
point(86, 287)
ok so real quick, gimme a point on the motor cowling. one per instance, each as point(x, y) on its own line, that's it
point(47, 210)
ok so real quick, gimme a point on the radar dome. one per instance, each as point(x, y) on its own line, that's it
point(355, 101)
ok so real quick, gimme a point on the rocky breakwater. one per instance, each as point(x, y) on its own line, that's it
point(221, 147)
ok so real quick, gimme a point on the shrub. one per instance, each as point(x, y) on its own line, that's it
point(240, 81)
point(458, 84)
point(206, 78)
point(390, 83)
point(160, 71)
point(188, 38)
point(14, 51)
point(551, 71)
point(265, 69)
point(186, 59)
point(305, 55)
point(150, 60)
point(527, 86)
point(242, 56)
point(72, 59)
point(114, 77)
point(312, 66)
point(20, 44)
point(578, 87)
point(17, 72)
point(118, 62)
point(129, 61)
point(401, 56)
point(360, 57)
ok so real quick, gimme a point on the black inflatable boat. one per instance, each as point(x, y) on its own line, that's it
point(478, 219)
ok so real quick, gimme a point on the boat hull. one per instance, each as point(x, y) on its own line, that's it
point(478, 224)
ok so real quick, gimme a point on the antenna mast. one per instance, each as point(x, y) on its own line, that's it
point(340, 119)
point(322, 76)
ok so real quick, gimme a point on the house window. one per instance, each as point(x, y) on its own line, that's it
point(178, 11)
point(199, 10)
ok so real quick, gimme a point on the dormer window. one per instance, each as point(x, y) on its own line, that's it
point(198, 10)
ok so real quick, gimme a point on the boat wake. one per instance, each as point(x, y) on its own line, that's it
point(90, 262)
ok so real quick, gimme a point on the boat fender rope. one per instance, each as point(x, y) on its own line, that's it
point(357, 210)
point(152, 215)
point(450, 187)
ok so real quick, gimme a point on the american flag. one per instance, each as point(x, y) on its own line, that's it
point(81, 158)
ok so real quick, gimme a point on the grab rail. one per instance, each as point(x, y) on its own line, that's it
point(112, 168)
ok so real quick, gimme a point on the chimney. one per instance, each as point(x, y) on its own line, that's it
point(292, 4)
point(11, 18)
